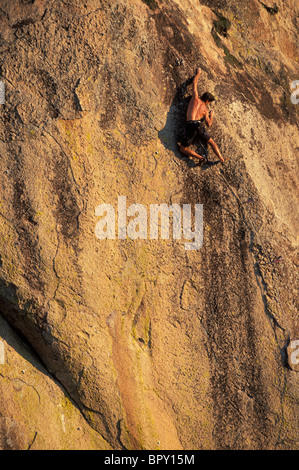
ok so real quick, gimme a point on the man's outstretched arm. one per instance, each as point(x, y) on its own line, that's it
point(195, 83)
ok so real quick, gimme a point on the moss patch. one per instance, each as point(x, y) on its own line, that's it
point(152, 4)
point(271, 10)
point(229, 58)
point(222, 25)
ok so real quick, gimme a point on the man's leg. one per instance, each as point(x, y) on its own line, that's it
point(216, 149)
point(190, 153)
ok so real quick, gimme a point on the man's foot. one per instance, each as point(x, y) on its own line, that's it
point(222, 160)
point(199, 163)
point(190, 153)
point(198, 160)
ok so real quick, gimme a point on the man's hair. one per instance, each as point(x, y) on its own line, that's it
point(207, 97)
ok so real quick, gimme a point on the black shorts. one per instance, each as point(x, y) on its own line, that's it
point(192, 130)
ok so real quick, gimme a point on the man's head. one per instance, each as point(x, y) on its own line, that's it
point(207, 97)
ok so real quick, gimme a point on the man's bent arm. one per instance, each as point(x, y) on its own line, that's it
point(209, 118)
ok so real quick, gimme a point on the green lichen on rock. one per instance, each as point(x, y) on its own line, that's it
point(222, 25)
point(229, 58)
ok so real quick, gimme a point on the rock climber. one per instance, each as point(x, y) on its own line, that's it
point(198, 114)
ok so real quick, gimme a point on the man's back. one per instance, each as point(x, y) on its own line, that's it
point(196, 109)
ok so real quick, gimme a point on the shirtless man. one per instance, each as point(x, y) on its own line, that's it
point(197, 114)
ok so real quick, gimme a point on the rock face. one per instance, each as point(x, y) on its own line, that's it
point(132, 344)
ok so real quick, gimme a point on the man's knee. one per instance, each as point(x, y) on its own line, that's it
point(182, 148)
